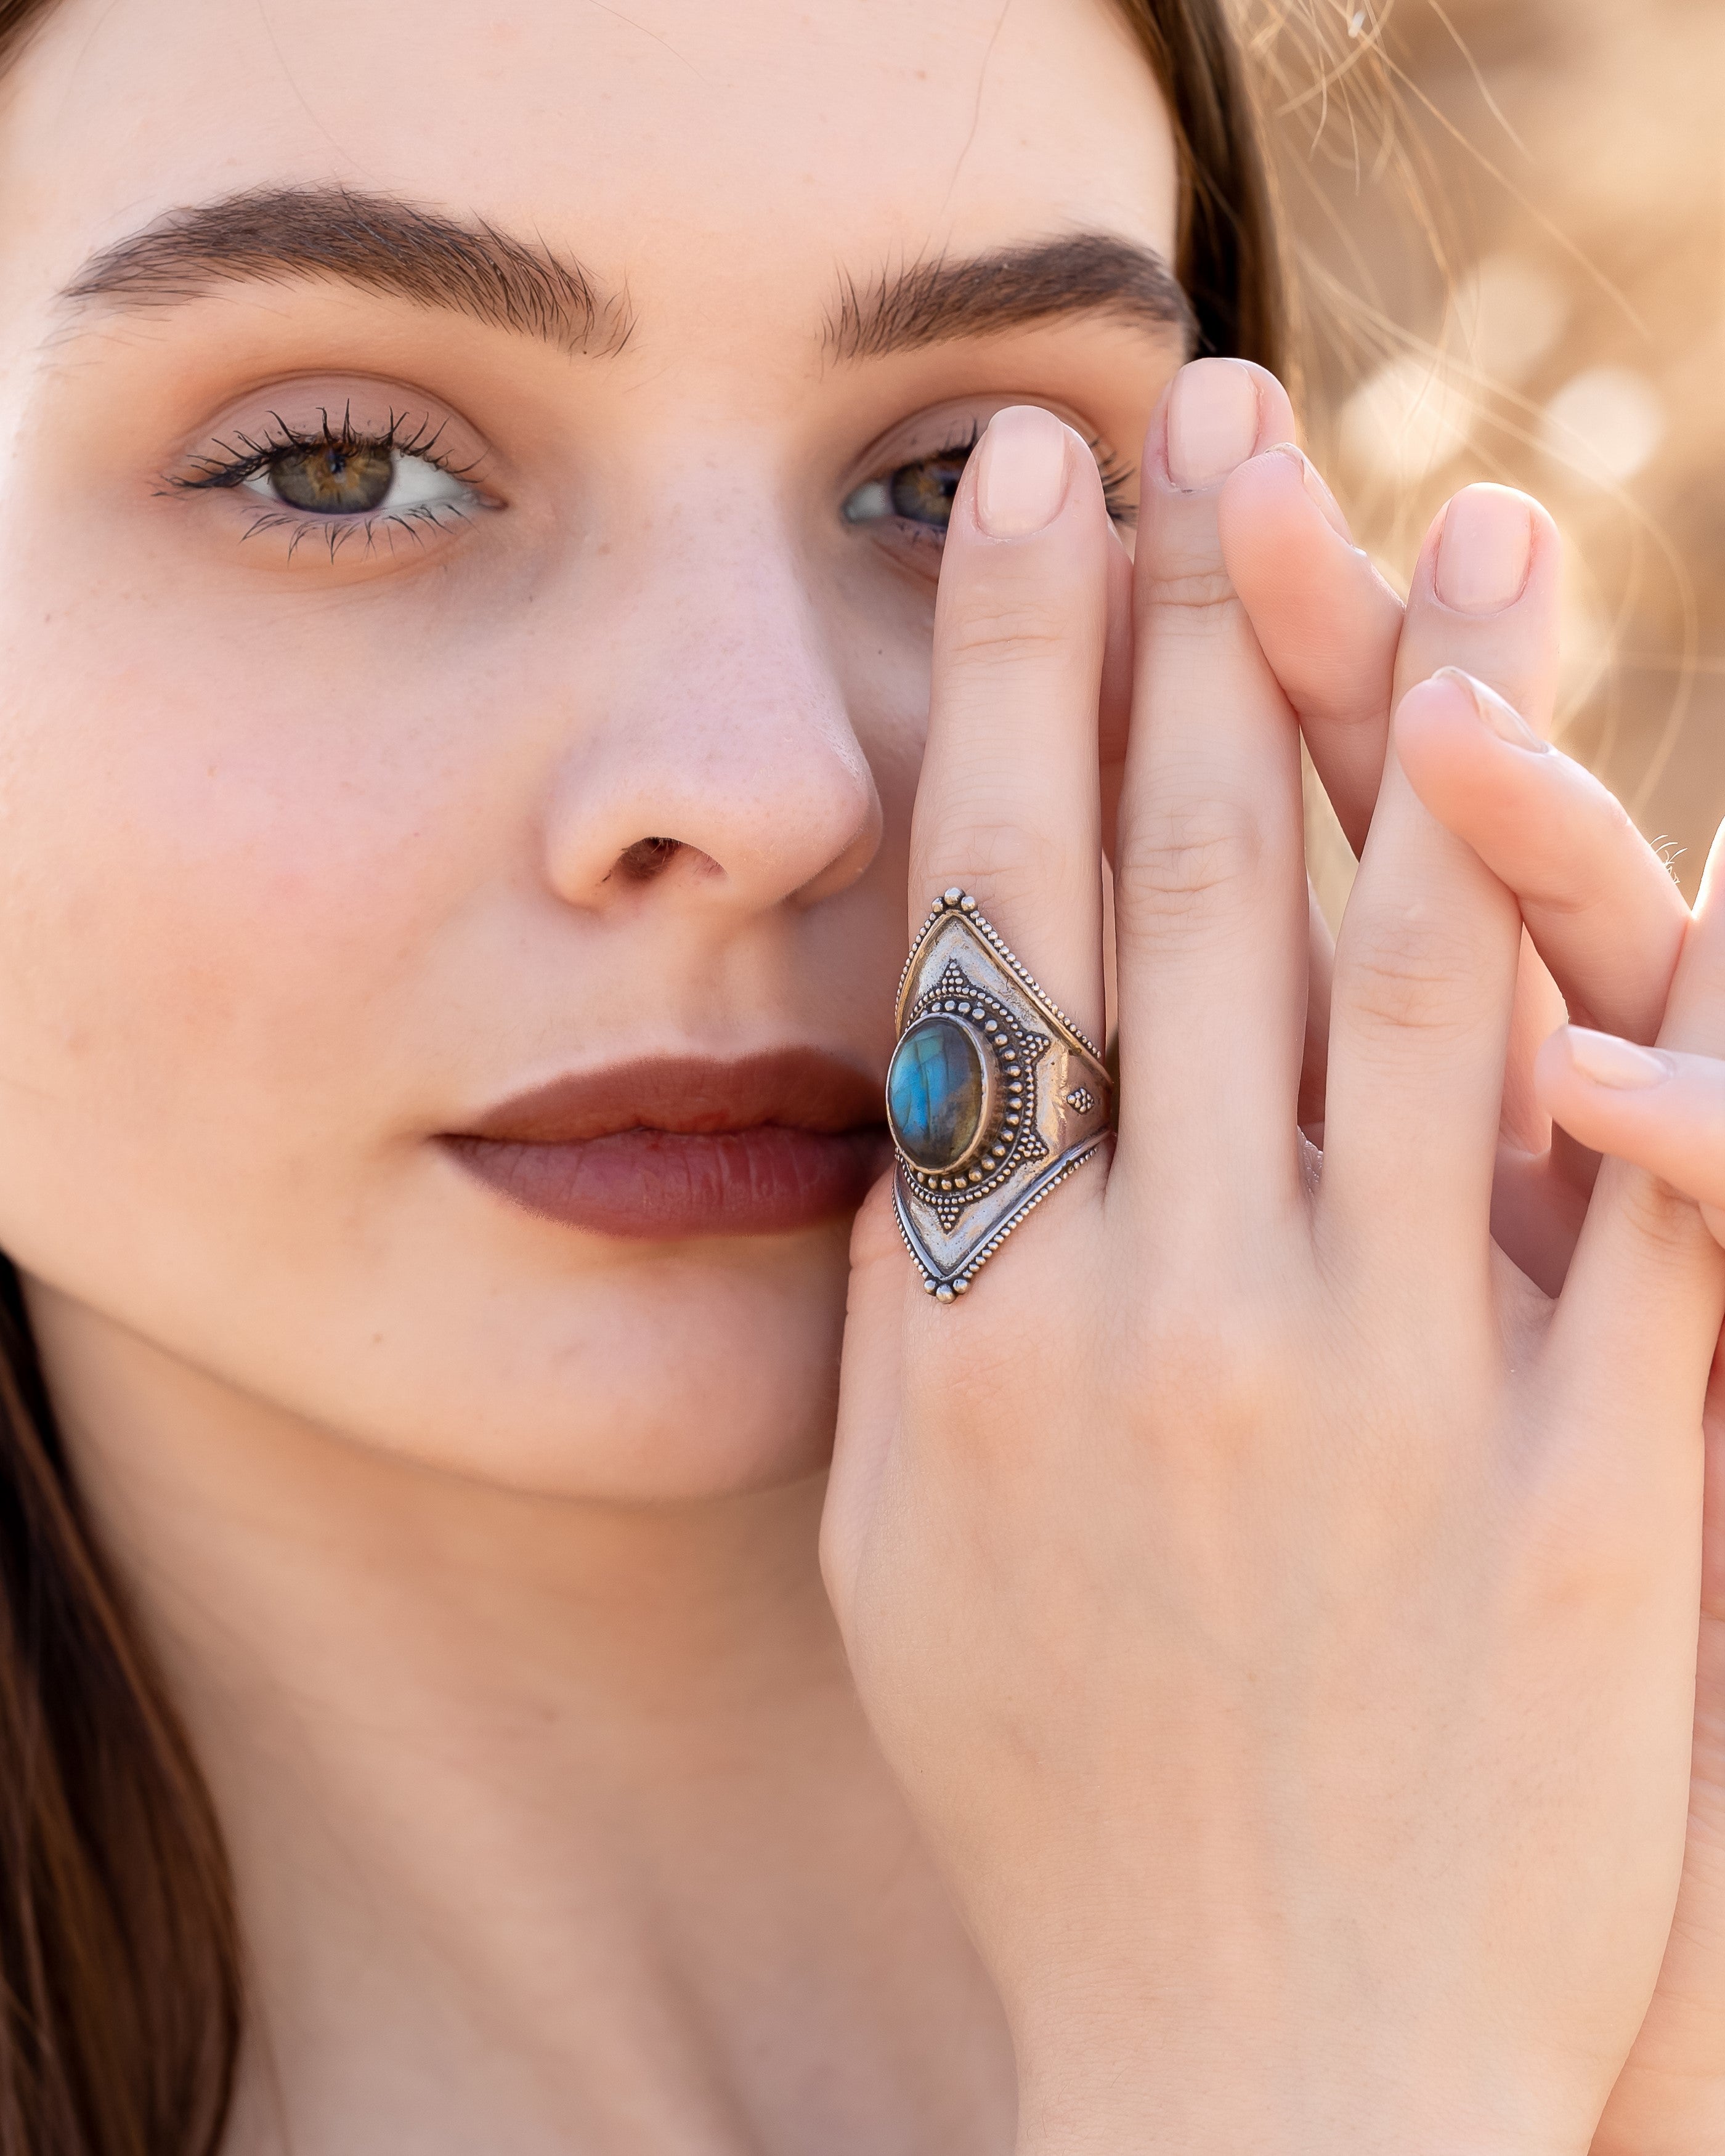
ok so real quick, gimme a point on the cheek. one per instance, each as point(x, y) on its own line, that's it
point(209, 875)
point(880, 637)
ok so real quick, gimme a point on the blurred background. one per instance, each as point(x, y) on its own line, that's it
point(1512, 226)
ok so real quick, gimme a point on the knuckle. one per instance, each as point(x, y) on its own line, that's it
point(1001, 632)
point(1553, 897)
point(1175, 858)
point(1406, 971)
point(1188, 588)
point(1588, 1540)
point(1663, 1219)
point(1207, 1365)
point(1008, 860)
point(1576, 874)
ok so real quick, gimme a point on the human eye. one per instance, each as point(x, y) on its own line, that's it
point(917, 494)
point(907, 501)
point(346, 479)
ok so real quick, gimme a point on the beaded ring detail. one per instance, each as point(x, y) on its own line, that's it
point(993, 1096)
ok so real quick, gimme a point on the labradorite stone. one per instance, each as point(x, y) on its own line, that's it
point(934, 1093)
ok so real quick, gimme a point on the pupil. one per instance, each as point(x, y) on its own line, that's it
point(335, 478)
point(922, 493)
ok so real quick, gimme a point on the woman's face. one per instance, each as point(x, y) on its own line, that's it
point(466, 617)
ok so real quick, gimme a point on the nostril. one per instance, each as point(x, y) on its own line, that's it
point(647, 858)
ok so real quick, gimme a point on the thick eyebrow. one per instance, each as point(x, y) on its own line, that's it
point(377, 241)
point(934, 301)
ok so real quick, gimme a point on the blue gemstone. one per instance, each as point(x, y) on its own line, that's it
point(934, 1094)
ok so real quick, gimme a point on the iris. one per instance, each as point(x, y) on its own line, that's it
point(335, 476)
point(934, 1094)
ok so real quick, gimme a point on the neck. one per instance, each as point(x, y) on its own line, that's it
point(552, 1824)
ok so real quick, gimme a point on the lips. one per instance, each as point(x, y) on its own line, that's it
point(682, 1146)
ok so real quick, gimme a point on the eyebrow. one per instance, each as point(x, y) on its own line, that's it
point(933, 302)
point(377, 241)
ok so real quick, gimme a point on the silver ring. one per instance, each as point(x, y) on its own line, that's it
point(993, 1097)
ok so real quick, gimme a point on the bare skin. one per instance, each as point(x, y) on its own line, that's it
point(1611, 926)
point(482, 1550)
point(1309, 1604)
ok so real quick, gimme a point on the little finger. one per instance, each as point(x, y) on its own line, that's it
point(1646, 1291)
point(1661, 1109)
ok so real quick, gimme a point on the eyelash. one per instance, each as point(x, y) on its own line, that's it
point(1116, 475)
point(230, 464)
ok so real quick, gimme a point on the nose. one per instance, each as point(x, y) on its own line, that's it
point(715, 759)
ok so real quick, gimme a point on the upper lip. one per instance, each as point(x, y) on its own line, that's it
point(799, 1088)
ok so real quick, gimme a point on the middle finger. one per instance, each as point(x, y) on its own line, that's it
point(1210, 874)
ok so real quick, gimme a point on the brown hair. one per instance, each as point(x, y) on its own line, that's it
point(119, 1966)
point(1229, 262)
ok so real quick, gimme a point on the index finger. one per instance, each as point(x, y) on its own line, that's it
point(1007, 809)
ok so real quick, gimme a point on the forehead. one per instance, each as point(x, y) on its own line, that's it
point(730, 154)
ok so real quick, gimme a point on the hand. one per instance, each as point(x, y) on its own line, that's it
point(1266, 1594)
point(1603, 913)
point(1666, 1112)
point(1608, 920)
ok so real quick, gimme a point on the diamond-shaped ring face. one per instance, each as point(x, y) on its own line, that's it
point(993, 1097)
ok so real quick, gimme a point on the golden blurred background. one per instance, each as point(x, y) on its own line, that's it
point(1511, 219)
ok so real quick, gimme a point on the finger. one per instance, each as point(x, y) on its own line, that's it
point(1485, 597)
point(1290, 541)
point(1425, 979)
point(869, 1392)
point(1425, 969)
point(1600, 903)
point(1536, 1011)
point(1007, 805)
point(1645, 1292)
point(1320, 966)
point(1326, 621)
point(1209, 872)
point(1537, 1207)
point(1114, 722)
point(1656, 1106)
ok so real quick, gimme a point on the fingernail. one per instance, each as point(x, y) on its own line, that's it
point(1212, 421)
point(1502, 718)
point(1484, 550)
point(1020, 472)
point(1619, 1063)
point(1314, 485)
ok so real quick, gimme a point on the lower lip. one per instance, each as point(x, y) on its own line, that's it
point(663, 1185)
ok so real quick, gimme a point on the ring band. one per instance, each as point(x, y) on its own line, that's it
point(993, 1096)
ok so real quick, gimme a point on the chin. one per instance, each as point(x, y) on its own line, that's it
point(458, 1334)
point(677, 1373)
